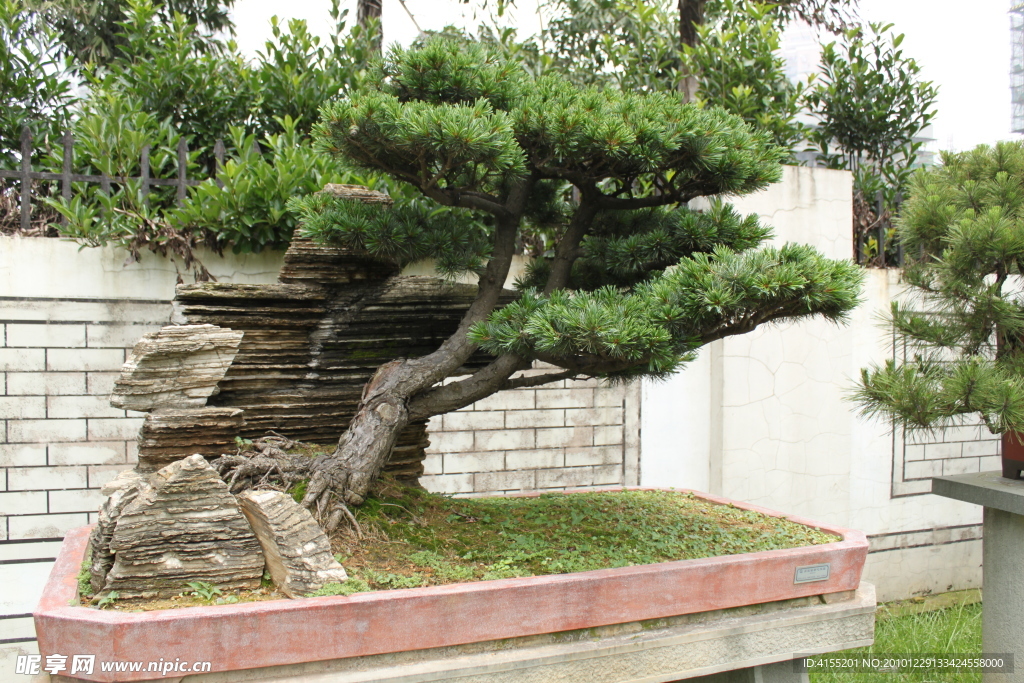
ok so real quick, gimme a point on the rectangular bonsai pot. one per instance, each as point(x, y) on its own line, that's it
point(281, 632)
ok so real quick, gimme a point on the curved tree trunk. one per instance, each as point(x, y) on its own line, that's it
point(344, 477)
point(365, 446)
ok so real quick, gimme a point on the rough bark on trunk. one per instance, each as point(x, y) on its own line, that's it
point(344, 477)
point(366, 444)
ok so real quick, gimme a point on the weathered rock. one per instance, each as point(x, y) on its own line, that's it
point(170, 434)
point(310, 263)
point(120, 491)
point(182, 525)
point(311, 342)
point(297, 552)
point(178, 366)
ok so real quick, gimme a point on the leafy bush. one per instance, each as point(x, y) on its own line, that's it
point(738, 66)
point(90, 30)
point(295, 74)
point(246, 205)
point(172, 74)
point(169, 84)
point(35, 87)
point(872, 107)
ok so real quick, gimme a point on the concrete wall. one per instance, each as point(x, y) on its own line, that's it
point(763, 418)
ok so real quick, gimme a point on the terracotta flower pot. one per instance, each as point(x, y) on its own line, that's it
point(1013, 455)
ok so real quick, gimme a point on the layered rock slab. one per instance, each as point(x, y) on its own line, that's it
point(170, 433)
point(297, 552)
point(181, 525)
point(178, 366)
point(119, 492)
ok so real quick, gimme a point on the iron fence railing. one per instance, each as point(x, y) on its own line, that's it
point(25, 175)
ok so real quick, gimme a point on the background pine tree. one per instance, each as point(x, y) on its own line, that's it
point(962, 327)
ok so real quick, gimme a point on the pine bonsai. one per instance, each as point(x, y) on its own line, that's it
point(633, 282)
point(963, 326)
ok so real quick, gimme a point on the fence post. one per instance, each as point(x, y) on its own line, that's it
point(67, 161)
point(182, 169)
point(26, 178)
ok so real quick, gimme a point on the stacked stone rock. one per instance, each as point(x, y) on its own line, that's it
point(298, 556)
point(308, 345)
point(157, 534)
point(181, 524)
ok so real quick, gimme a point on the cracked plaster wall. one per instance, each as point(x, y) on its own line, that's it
point(762, 417)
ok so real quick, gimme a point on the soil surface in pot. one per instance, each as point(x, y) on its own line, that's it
point(409, 538)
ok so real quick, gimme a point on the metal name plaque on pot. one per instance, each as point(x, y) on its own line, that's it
point(812, 572)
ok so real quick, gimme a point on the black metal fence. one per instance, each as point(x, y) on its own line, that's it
point(25, 175)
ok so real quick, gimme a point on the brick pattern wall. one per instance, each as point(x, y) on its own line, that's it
point(567, 434)
point(59, 438)
point(919, 455)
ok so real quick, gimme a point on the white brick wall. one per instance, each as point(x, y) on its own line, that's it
point(919, 455)
point(60, 438)
point(567, 434)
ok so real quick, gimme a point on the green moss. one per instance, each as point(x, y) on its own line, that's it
point(298, 491)
point(416, 538)
point(347, 588)
point(85, 576)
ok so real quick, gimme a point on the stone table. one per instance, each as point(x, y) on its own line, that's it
point(1002, 620)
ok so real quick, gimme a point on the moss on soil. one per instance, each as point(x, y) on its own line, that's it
point(414, 538)
point(411, 538)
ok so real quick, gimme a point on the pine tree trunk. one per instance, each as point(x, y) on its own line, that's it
point(366, 445)
point(344, 477)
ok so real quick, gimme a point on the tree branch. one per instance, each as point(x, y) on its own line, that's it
point(480, 384)
point(469, 200)
point(428, 370)
point(567, 250)
point(537, 380)
point(627, 204)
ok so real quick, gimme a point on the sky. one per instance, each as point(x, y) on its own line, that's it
point(963, 47)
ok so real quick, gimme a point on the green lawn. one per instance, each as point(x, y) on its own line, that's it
point(903, 629)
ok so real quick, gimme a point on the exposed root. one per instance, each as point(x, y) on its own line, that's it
point(341, 507)
point(264, 465)
point(267, 465)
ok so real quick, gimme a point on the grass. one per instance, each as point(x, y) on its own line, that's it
point(904, 628)
point(413, 538)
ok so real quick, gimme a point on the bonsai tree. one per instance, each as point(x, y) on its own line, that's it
point(631, 282)
point(963, 325)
